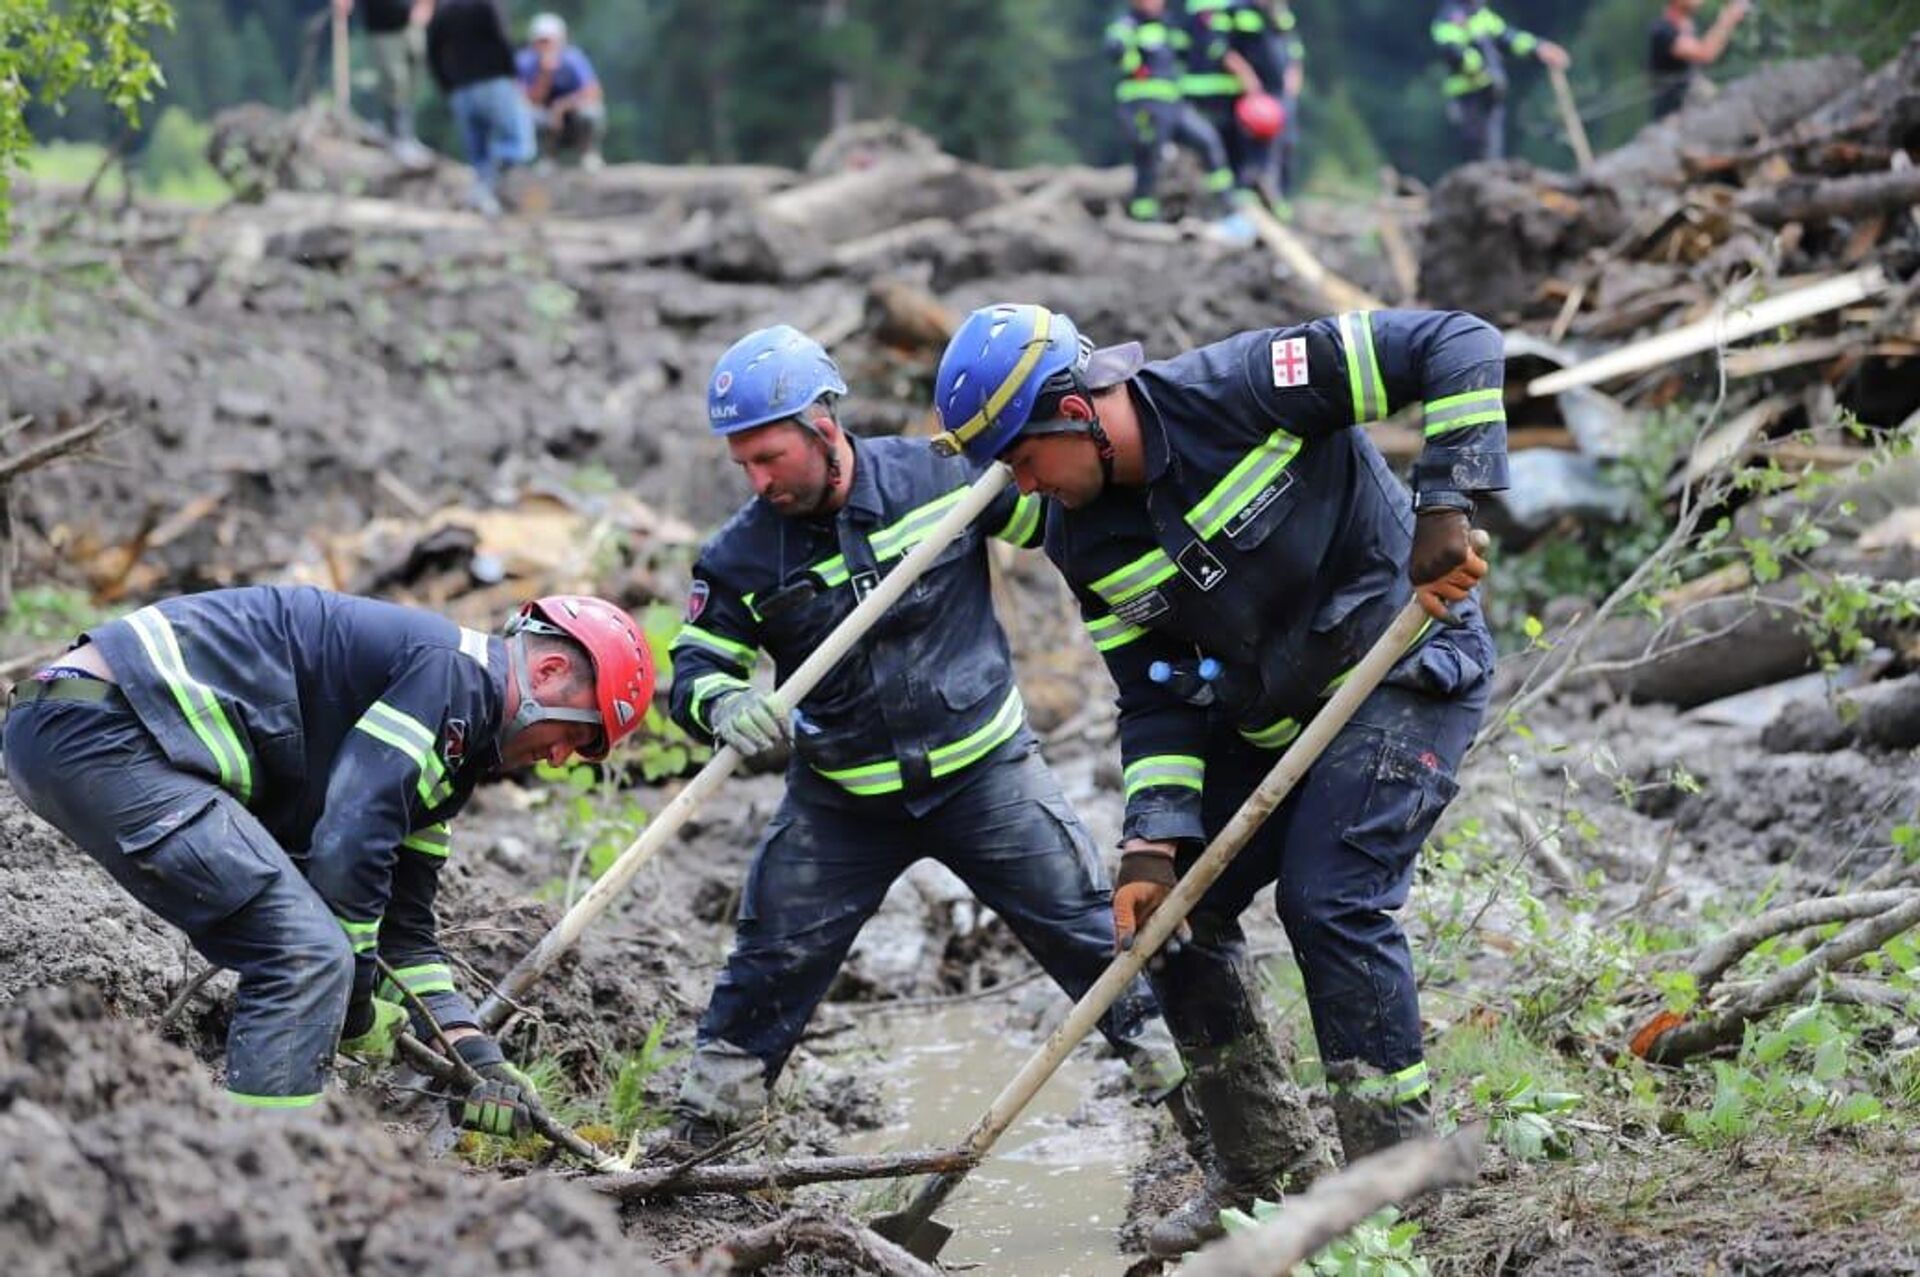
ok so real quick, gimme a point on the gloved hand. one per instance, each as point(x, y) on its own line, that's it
point(1147, 877)
point(503, 1103)
point(751, 723)
point(377, 1024)
point(1444, 566)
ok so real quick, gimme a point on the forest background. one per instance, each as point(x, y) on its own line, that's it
point(1003, 82)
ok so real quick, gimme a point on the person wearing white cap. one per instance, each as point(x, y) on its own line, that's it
point(569, 106)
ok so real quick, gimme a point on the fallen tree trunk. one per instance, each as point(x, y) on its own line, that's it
point(1335, 1205)
point(1721, 956)
point(791, 1173)
point(1880, 715)
point(805, 1232)
point(1808, 200)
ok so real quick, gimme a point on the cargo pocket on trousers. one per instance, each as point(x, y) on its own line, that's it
point(198, 868)
point(1407, 791)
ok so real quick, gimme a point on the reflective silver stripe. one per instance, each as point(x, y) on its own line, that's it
point(434, 840)
point(197, 702)
point(1457, 412)
point(736, 653)
point(1363, 367)
point(1110, 632)
point(1184, 771)
point(1023, 522)
point(944, 760)
point(1243, 483)
point(414, 739)
point(905, 533)
point(363, 936)
point(1136, 578)
point(428, 977)
point(474, 644)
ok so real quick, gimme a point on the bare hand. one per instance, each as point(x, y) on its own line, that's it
point(1558, 58)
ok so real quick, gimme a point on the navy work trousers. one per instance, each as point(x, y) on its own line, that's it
point(187, 849)
point(823, 868)
point(1341, 849)
point(1480, 122)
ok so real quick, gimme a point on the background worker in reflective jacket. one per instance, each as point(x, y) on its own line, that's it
point(1473, 40)
point(916, 745)
point(1281, 60)
point(1236, 546)
point(1223, 48)
point(272, 770)
point(1148, 52)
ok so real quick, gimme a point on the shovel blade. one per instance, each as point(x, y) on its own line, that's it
point(923, 1238)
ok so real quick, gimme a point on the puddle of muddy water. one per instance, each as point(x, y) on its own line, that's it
point(1051, 1198)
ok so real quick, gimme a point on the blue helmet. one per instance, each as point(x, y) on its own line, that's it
point(995, 370)
point(766, 376)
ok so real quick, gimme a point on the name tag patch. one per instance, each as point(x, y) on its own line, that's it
point(1254, 508)
point(1200, 566)
point(1143, 608)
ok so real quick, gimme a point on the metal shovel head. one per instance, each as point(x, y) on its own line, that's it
point(921, 1238)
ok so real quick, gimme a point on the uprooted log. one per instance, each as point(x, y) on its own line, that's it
point(788, 1173)
point(1337, 1204)
point(804, 1233)
point(1808, 199)
point(1673, 1039)
point(1878, 716)
point(1724, 953)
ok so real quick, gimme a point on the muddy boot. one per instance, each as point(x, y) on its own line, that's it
point(1259, 1140)
point(1375, 1110)
point(723, 1090)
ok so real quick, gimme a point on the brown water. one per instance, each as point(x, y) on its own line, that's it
point(1050, 1198)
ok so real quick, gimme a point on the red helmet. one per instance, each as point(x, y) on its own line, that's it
point(622, 666)
point(1260, 116)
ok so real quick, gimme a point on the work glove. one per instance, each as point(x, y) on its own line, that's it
point(504, 1101)
point(1147, 877)
point(1444, 566)
point(374, 1028)
point(751, 723)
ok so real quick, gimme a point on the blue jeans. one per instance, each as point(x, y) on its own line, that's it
point(496, 126)
point(823, 869)
point(1341, 850)
point(187, 850)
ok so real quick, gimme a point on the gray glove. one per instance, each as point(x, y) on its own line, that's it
point(749, 721)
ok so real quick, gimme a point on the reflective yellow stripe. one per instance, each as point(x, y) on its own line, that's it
point(944, 760)
point(1003, 394)
point(741, 654)
point(1023, 522)
point(1214, 84)
point(1363, 367)
point(1180, 771)
point(274, 1101)
point(196, 700)
point(434, 840)
point(411, 737)
point(1110, 632)
point(710, 687)
point(1408, 1084)
point(428, 977)
point(1457, 412)
point(893, 541)
point(1135, 579)
point(363, 936)
point(1278, 735)
point(1243, 483)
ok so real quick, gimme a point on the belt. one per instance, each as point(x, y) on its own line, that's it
point(94, 690)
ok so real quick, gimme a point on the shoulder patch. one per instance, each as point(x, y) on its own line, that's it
point(473, 644)
point(1289, 356)
point(453, 743)
point(697, 600)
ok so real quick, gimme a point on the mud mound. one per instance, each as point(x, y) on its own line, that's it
point(123, 1159)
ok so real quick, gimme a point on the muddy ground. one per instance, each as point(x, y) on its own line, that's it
point(284, 362)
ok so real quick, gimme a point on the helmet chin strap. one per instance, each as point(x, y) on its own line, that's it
point(531, 712)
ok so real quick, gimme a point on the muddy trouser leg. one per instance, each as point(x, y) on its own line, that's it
point(1201, 131)
point(1479, 119)
point(1144, 125)
point(189, 851)
point(819, 874)
point(1010, 834)
point(1357, 830)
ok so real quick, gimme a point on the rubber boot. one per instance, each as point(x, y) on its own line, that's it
point(724, 1089)
point(1371, 1115)
point(1260, 1141)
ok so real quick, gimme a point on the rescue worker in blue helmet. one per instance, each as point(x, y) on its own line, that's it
point(273, 770)
point(1236, 545)
point(916, 746)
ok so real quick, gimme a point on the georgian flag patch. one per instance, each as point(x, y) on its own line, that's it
point(1289, 362)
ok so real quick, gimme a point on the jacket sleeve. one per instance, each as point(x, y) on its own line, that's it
point(1366, 365)
point(1018, 520)
point(410, 935)
point(1455, 44)
point(1521, 44)
point(388, 781)
point(715, 651)
point(1162, 738)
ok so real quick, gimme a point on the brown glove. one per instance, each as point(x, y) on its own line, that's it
point(1444, 566)
point(1147, 877)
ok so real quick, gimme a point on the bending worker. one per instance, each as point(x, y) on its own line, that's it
point(916, 745)
point(284, 763)
point(1236, 546)
point(1474, 39)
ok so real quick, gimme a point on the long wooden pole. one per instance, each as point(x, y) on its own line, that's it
point(342, 72)
point(1570, 116)
point(1304, 752)
point(498, 1006)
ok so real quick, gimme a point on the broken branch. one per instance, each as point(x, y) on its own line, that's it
point(1723, 954)
point(748, 1252)
point(753, 1177)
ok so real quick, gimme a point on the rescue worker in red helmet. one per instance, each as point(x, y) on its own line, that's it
point(273, 770)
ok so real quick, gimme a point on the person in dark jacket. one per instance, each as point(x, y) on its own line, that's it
point(1676, 52)
point(273, 771)
point(472, 58)
point(915, 746)
point(1475, 40)
point(1237, 545)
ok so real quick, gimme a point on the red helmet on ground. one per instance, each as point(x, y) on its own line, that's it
point(1260, 116)
point(622, 666)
